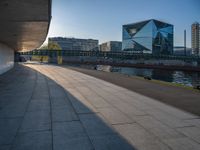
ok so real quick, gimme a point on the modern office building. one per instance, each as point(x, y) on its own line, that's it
point(150, 36)
point(24, 26)
point(76, 44)
point(195, 38)
point(111, 46)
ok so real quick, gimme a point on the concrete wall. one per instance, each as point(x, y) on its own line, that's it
point(6, 58)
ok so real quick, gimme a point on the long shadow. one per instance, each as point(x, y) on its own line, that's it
point(38, 113)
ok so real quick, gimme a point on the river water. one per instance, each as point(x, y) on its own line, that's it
point(181, 77)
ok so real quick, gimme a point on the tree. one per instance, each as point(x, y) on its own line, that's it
point(51, 46)
point(43, 47)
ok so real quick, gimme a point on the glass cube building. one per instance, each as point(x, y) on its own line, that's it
point(150, 36)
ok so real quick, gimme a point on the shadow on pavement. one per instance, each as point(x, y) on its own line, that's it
point(36, 114)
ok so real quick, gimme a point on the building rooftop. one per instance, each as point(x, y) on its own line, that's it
point(139, 22)
point(66, 38)
point(112, 41)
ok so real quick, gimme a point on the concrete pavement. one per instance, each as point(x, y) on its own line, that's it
point(182, 98)
point(50, 107)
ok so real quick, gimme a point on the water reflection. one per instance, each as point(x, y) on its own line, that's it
point(163, 75)
point(181, 77)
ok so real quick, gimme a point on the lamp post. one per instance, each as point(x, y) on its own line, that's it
point(185, 53)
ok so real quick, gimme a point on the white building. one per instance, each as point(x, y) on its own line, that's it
point(111, 46)
point(76, 44)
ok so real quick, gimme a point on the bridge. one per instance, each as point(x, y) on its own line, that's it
point(114, 55)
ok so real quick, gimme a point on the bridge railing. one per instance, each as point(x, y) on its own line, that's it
point(111, 54)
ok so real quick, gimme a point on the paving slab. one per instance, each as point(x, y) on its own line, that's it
point(70, 135)
point(83, 106)
point(110, 142)
point(191, 132)
point(39, 105)
point(182, 143)
point(33, 141)
point(115, 116)
point(58, 102)
point(8, 130)
point(97, 101)
point(36, 121)
point(94, 125)
point(81, 143)
point(140, 137)
point(63, 114)
point(52, 107)
point(5, 147)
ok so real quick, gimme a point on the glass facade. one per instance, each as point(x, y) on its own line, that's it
point(151, 36)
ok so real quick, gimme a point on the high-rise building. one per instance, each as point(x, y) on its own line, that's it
point(76, 44)
point(111, 46)
point(150, 36)
point(195, 38)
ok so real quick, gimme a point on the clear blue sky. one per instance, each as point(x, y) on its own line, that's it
point(103, 19)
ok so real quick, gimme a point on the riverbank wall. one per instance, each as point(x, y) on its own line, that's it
point(155, 64)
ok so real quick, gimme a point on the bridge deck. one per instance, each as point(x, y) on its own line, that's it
point(50, 107)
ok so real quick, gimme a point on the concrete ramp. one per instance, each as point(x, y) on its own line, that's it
point(24, 23)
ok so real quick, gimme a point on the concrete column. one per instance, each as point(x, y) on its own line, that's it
point(6, 58)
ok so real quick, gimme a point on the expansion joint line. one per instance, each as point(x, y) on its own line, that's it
point(26, 109)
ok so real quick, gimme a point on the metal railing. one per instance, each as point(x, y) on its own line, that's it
point(106, 55)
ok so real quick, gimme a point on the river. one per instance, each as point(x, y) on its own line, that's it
point(181, 77)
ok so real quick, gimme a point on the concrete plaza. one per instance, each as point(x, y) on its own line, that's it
point(46, 107)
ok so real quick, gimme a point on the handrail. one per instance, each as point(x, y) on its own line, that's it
point(111, 54)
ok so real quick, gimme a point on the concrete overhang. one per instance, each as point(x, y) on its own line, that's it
point(24, 24)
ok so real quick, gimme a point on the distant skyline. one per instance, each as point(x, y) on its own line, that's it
point(103, 19)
